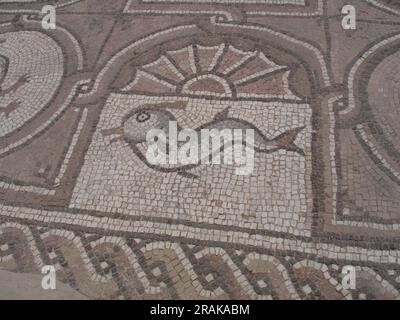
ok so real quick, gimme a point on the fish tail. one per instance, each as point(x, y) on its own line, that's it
point(286, 141)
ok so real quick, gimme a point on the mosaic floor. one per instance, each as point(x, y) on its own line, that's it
point(76, 193)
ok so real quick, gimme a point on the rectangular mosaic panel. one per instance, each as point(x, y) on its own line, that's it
point(277, 196)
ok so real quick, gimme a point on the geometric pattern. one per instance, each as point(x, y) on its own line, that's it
point(76, 194)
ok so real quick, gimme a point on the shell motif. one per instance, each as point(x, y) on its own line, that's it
point(218, 71)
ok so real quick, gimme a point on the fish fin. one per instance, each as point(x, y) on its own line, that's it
point(17, 21)
point(10, 108)
point(119, 138)
point(188, 175)
point(287, 141)
point(222, 115)
point(112, 131)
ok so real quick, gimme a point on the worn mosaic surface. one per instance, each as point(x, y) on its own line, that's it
point(75, 196)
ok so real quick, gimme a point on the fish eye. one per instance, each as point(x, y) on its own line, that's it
point(142, 116)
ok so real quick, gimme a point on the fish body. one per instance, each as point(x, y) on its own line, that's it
point(137, 125)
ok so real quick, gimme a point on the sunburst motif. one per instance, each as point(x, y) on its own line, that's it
point(218, 71)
